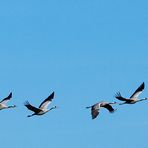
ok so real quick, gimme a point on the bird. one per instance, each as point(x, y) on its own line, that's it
point(42, 109)
point(95, 109)
point(3, 103)
point(134, 97)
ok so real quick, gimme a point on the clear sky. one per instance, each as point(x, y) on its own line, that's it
point(85, 51)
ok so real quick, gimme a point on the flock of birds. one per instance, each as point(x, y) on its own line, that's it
point(131, 100)
point(95, 109)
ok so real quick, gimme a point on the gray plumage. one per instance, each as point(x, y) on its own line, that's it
point(95, 109)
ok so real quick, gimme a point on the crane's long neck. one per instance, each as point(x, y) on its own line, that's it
point(113, 103)
point(122, 103)
point(12, 106)
point(88, 107)
point(142, 99)
point(31, 115)
point(52, 108)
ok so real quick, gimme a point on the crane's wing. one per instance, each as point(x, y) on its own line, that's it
point(32, 108)
point(138, 91)
point(46, 102)
point(119, 97)
point(5, 100)
point(109, 108)
point(94, 113)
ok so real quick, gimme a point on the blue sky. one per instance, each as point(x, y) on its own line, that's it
point(85, 51)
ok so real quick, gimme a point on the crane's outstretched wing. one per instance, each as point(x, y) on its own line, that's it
point(94, 113)
point(138, 91)
point(46, 102)
point(5, 100)
point(32, 108)
point(109, 108)
point(119, 97)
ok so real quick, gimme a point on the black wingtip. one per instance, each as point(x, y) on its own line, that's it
point(26, 103)
point(10, 95)
point(117, 95)
point(113, 111)
point(143, 85)
point(94, 117)
point(52, 95)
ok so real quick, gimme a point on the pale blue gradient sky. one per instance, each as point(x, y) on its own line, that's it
point(85, 51)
